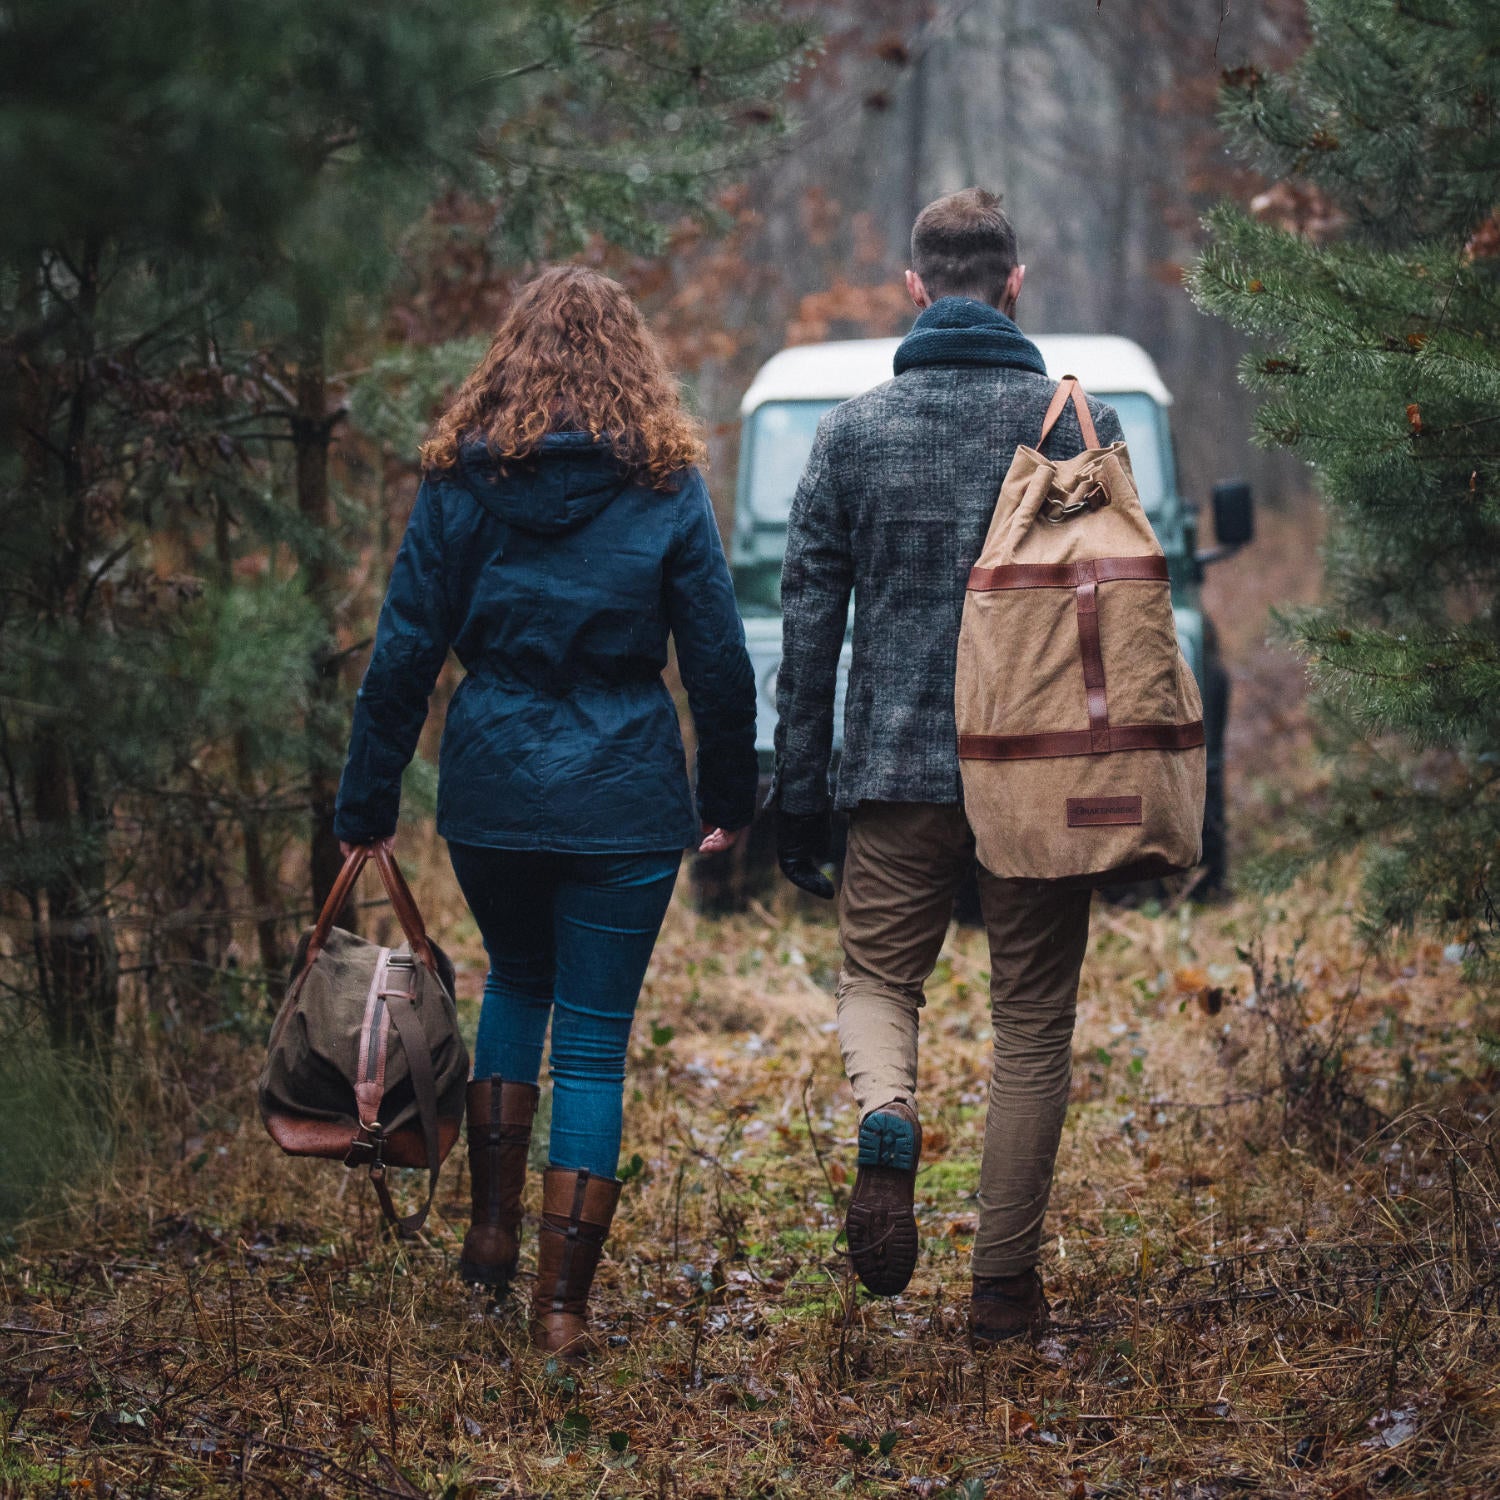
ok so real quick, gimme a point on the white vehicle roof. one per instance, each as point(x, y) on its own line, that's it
point(1106, 364)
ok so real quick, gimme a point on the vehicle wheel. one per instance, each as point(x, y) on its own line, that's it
point(1215, 818)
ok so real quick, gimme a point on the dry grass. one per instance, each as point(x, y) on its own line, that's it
point(1246, 1299)
point(1272, 1253)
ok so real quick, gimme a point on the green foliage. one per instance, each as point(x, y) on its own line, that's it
point(1389, 112)
point(390, 401)
point(206, 207)
point(39, 1084)
point(1376, 298)
point(624, 115)
point(240, 135)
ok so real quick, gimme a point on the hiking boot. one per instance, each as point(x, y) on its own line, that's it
point(880, 1226)
point(1007, 1307)
point(499, 1129)
point(577, 1209)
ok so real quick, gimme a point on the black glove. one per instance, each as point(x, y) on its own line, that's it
point(804, 843)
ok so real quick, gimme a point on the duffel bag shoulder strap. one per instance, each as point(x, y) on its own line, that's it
point(413, 1042)
point(424, 1086)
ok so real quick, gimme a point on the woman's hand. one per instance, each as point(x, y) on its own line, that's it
point(389, 845)
point(717, 840)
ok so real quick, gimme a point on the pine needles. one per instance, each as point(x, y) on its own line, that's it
point(1273, 1263)
point(1368, 273)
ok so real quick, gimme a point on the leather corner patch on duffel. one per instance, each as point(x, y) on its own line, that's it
point(1103, 812)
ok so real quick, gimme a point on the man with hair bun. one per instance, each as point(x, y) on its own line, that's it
point(893, 508)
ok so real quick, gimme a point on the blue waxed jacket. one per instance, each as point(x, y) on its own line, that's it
point(556, 584)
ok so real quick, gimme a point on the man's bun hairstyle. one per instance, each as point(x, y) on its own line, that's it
point(962, 245)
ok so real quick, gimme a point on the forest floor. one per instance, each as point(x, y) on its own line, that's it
point(1273, 1253)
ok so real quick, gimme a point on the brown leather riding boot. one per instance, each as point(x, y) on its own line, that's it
point(499, 1116)
point(577, 1208)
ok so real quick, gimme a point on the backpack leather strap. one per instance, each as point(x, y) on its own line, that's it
point(1068, 388)
point(1092, 652)
point(1143, 569)
point(1052, 744)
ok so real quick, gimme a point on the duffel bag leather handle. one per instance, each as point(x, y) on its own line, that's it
point(403, 903)
point(343, 888)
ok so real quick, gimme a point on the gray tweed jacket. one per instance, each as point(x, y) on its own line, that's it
point(894, 506)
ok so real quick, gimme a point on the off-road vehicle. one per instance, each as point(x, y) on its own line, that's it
point(779, 415)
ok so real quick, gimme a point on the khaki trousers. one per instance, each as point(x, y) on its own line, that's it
point(904, 865)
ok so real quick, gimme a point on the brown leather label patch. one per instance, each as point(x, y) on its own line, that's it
point(1103, 812)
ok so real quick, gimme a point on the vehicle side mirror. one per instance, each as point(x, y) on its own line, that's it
point(1234, 513)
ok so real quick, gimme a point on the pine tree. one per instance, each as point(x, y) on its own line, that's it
point(204, 204)
point(1377, 303)
point(579, 120)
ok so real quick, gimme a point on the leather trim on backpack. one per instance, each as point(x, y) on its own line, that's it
point(1084, 578)
point(1068, 575)
point(1063, 742)
point(1103, 812)
point(1092, 652)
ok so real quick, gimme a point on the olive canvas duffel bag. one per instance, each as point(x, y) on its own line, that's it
point(366, 1064)
point(1080, 725)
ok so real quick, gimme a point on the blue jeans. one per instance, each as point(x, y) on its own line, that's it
point(568, 938)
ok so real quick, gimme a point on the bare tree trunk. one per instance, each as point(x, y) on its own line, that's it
point(258, 875)
point(311, 430)
point(916, 128)
point(1006, 152)
point(73, 822)
point(79, 948)
point(25, 413)
point(252, 829)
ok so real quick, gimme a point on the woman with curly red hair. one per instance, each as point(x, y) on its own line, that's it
point(561, 533)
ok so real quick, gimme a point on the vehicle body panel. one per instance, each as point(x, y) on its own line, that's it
point(794, 388)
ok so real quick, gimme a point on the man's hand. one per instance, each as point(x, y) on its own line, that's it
point(387, 844)
point(804, 844)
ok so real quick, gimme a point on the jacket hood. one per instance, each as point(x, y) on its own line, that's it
point(572, 477)
point(963, 331)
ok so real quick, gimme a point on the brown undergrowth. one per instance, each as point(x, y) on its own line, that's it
point(1272, 1259)
point(1272, 1252)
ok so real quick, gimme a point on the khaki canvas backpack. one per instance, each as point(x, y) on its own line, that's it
point(366, 1064)
point(1080, 726)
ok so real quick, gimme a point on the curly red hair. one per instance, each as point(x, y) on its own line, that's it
point(573, 353)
